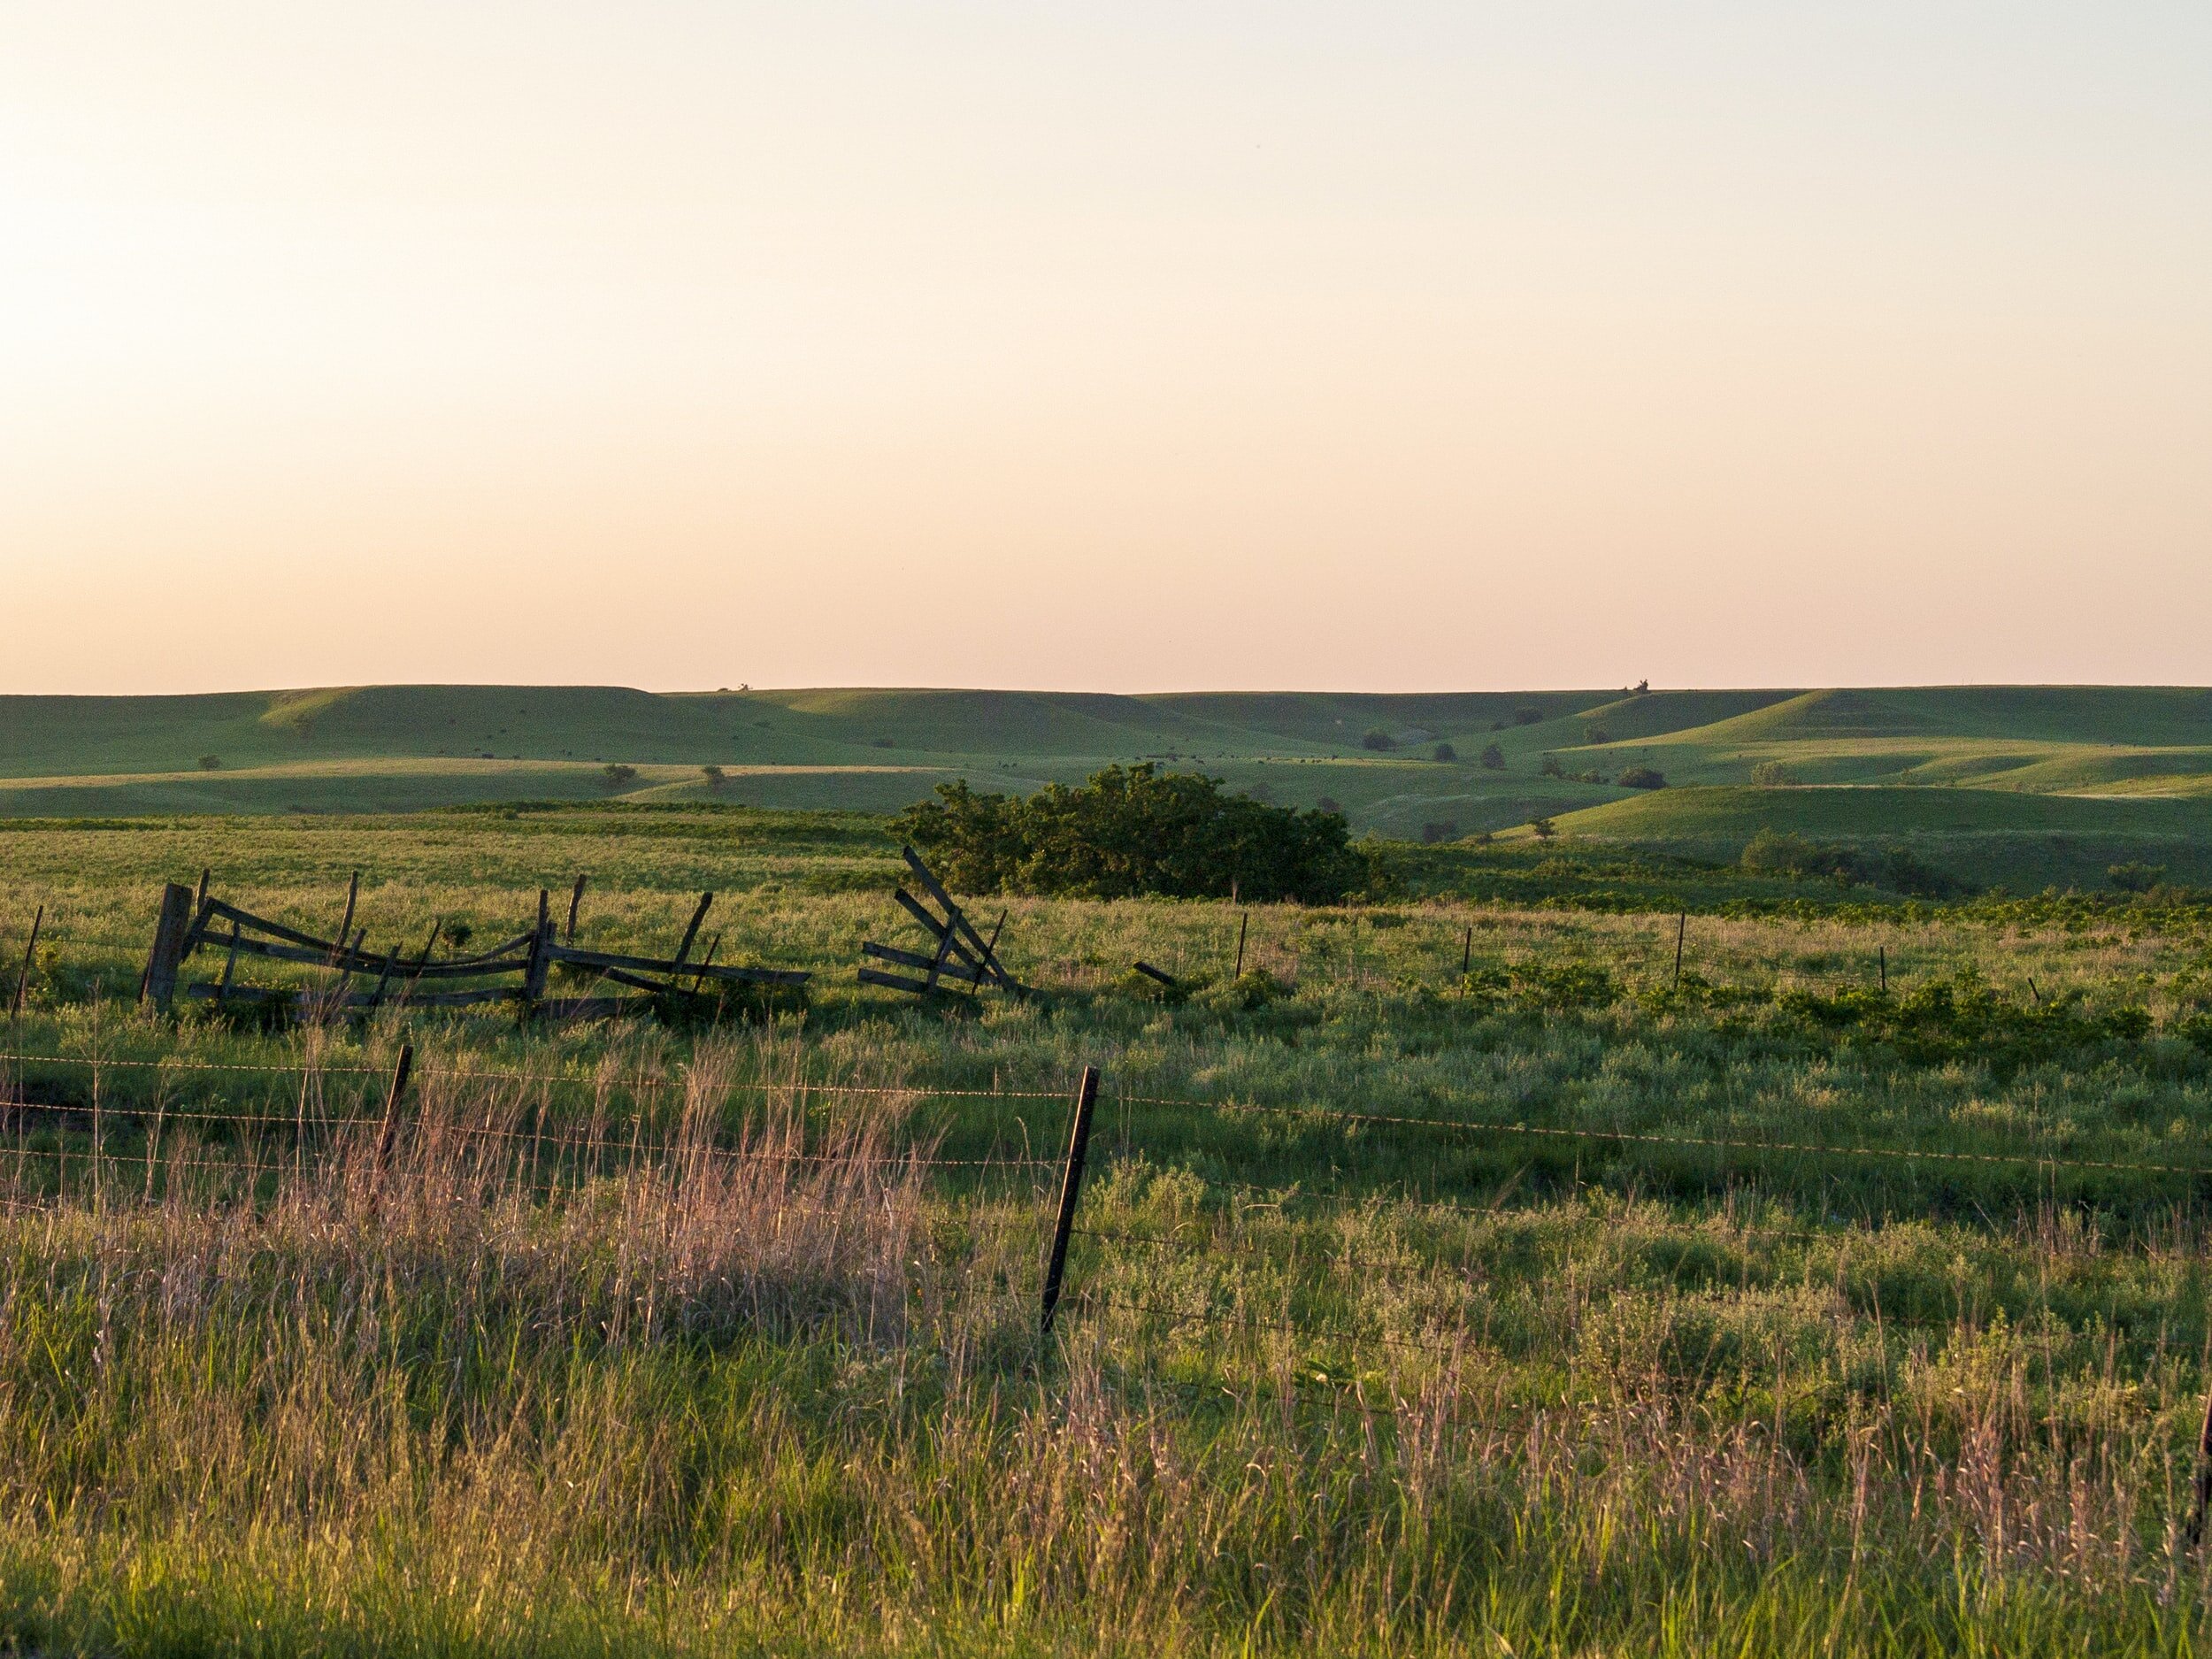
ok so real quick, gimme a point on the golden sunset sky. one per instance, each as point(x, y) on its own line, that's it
point(1116, 346)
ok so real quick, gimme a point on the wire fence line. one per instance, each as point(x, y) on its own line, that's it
point(2033, 1159)
point(636, 1084)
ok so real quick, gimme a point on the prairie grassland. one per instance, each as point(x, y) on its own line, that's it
point(1760, 1312)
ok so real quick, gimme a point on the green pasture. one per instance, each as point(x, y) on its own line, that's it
point(1507, 1264)
point(2023, 786)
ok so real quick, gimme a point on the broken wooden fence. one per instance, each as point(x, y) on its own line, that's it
point(962, 956)
point(357, 979)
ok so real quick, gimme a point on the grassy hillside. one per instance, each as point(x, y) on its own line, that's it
point(2046, 780)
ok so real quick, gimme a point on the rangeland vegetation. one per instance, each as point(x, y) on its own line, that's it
point(1459, 1275)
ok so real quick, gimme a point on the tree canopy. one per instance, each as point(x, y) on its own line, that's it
point(1135, 830)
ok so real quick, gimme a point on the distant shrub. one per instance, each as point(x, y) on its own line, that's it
point(1135, 830)
point(1445, 751)
point(1447, 830)
point(1527, 717)
point(883, 743)
point(1551, 767)
point(715, 778)
point(1898, 869)
point(211, 762)
point(1543, 828)
point(1596, 734)
point(1772, 774)
point(1642, 777)
point(617, 774)
point(458, 934)
point(1329, 803)
point(1378, 739)
point(1493, 758)
point(2135, 877)
point(1497, 726)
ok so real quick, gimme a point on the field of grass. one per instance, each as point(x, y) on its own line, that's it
point(1462, 1277)
point(2025, 786)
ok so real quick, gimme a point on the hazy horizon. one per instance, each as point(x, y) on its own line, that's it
point(989, 347)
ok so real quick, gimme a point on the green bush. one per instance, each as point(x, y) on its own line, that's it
point(1527, 717)
point(617, 774)
point(211, 762)
point(1643, 778)
point(1493, 758)
point(1788, 853)
point(2135, 877)
point(1772, 774)
point(1378, 739)
point(715, 777)
point(1445, 751)
point(1131, 831)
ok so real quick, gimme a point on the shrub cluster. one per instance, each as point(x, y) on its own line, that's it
point(1788, 853)
point(1964, 1017)
point(1132, 831)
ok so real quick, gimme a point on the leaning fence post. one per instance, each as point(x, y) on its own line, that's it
point(390, 1129)
point(30, 955)
point(1681, 933)
point(167, 955)
point(1071, 1189)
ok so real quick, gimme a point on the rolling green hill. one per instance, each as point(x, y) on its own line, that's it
point(2013, 783)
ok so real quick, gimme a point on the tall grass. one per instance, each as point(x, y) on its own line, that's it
point(757, 1386)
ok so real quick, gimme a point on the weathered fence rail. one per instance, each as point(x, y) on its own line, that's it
point(516, 969)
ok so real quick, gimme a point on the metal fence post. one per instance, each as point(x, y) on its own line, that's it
point(389, 1131)
point(1071, 1189)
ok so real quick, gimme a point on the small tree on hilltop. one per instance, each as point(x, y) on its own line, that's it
point(1445, 751)
point(1493, 758)
point(617, 774)
point(1378, 739)
point(715, 778)
point(211, 762)
point(1643, 778)
point(1543, 828)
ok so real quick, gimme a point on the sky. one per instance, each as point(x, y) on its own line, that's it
point(1130, 347)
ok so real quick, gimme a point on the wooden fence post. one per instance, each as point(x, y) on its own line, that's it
point(345, 924)
point(1882, 958)
point(167, 955)
point(1681, 933)
point(1244, 920)
point(575, 903)
point(1467, 951)
point(541, 962)
point(1071, 1189)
